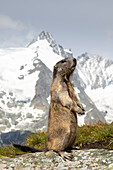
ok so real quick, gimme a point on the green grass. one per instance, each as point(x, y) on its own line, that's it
point(86, 134)
point(95, 133)
point(9, 151)
point(37, 140)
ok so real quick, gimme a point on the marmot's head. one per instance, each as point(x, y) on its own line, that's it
point(65, 67)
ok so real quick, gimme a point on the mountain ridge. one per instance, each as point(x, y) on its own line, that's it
point(25, 86)
point(96, 74)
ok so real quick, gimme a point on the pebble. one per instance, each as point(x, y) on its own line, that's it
point(83, 159)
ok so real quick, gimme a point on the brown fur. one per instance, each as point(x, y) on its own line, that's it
point(64, 106)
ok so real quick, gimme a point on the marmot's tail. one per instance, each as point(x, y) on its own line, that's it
point(26, 148)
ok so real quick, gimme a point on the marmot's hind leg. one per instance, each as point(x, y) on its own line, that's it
point(65, 155)
point(60, 142)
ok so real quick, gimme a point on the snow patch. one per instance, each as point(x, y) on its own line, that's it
point(10, 62)
point(45, 53)
point(103, 100)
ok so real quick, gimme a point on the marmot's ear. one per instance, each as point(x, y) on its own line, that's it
point(55, 67)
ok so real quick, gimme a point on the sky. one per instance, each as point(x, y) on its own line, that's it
point(82, 25)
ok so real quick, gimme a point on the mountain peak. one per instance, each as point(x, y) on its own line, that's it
point(95, 58)
point(96, 70)
point(58, 49)
point(46, 35)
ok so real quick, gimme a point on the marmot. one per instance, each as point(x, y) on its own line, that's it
point(64, 106)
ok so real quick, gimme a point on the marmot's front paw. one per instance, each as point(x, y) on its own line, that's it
point(81, 106)
point(80, 109)
point(81, 112)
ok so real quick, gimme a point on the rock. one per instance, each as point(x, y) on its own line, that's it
point(83, 160)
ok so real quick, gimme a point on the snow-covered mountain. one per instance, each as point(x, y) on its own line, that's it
point(96, 73)
point(25, 78)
